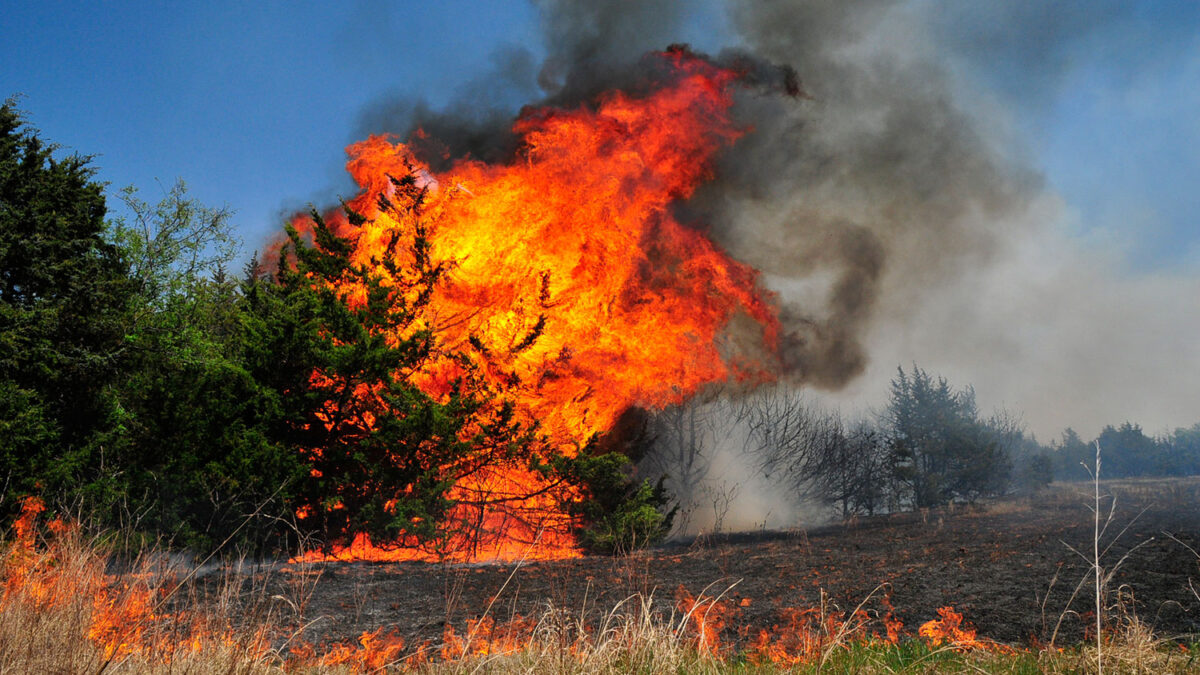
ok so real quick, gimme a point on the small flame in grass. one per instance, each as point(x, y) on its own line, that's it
point(807, 635)
point(947, 630)
point(121, 616)
point(484, 637)
point(375, 651)
point(950, 630)
point(705, 618)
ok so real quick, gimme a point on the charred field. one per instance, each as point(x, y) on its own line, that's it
point(1005, 565)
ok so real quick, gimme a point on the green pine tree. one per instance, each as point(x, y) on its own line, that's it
point(64, 293)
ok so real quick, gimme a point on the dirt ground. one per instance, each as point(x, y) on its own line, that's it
point(1005, 566)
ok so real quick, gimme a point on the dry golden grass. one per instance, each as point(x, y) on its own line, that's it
point(63, 611)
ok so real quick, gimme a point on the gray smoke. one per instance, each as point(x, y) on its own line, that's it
point(875, 172)
point(888, 206)
point(876, 189)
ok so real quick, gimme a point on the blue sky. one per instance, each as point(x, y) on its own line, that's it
point(253, 103)
point(1105, 94)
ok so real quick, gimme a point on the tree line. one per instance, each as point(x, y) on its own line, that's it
point(929, 446)
point(150, 390)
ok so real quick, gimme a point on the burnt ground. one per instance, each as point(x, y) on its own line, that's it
point(1004, 565)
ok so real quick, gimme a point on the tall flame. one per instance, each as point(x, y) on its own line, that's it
point(572, 282)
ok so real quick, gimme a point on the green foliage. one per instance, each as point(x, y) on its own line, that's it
point(196, 462)
point(172, 247)
point(616, 514)
point(122, 390)
point(941, 449)
point(64, 292)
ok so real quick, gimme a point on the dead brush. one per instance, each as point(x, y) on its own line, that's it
point(1122, 641)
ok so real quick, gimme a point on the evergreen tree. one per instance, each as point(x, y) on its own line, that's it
point(941, 450)
point(64, 293)
point(339, 344)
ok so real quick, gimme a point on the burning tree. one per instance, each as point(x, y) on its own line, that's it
point(413, 444)
point(347, 343)
point(559, 282)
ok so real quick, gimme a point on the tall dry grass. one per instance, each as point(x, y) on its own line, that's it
point(64, 608)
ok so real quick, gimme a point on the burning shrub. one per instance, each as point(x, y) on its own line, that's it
point(357, 345)
point(558, 282)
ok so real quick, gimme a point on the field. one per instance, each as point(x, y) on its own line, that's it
point(872, 595)
point(1005, 566)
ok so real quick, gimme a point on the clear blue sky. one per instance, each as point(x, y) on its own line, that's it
point(252, 103)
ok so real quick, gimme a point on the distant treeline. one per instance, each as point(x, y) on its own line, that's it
point(930, 445)
point(1127, 452)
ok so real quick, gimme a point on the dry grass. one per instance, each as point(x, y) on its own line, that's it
point(63, 610)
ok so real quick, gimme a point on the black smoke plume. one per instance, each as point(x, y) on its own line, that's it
point(861, 182)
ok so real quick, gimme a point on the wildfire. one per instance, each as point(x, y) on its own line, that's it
point(950, 630)
point(572, 284)
point(120, 615)
point(705, 617)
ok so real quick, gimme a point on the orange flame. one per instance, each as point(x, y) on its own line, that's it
point(119, 615)
point(705, 618)
point(950, 630)
point(375, 652)
point(573, 285)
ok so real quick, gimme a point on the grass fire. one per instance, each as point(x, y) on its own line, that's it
point(629, 355)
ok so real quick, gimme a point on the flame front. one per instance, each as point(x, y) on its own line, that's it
point(572, 284)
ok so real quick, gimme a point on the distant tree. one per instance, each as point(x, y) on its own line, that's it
point(812, 454)
point(682, 451)
point(1072, 455)
point(940, 449)
point(64, 298)
point(1183, 449)
point(1036, 472)
point(792, 438)
point(1033, 463)
point(684, 442)
point(854, 469)
point(1129, 452)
